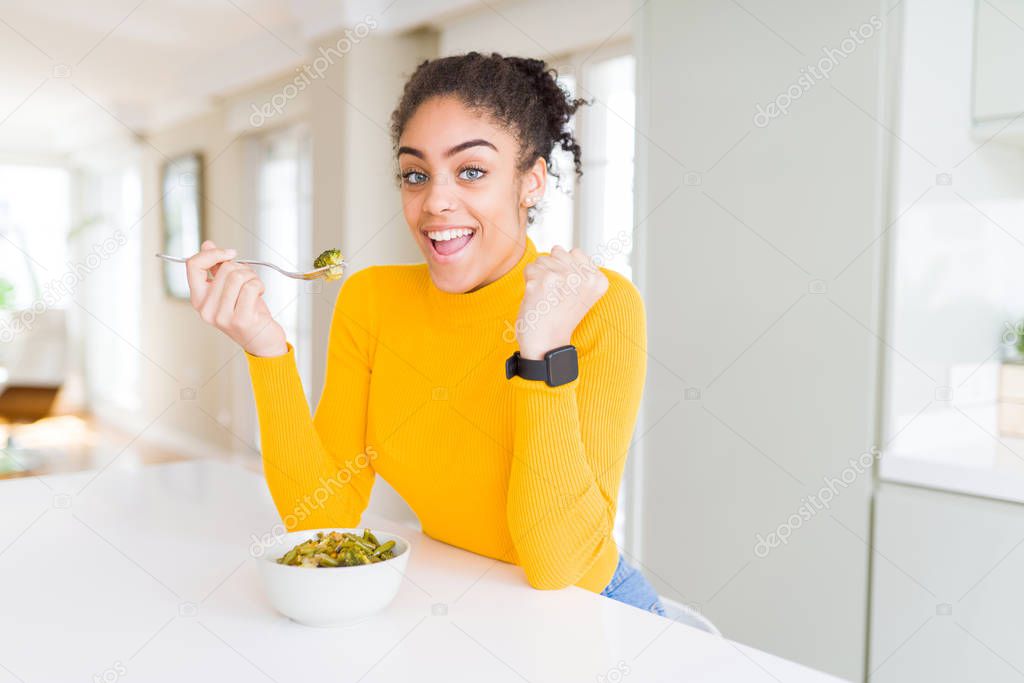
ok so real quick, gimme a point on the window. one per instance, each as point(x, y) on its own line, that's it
point(108, 210)
point(34, 219)
point(554, 222)
point(596, 213)
point(283, 200)
point(606, 206)
point(280, 200)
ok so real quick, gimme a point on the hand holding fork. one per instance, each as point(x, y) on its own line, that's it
point(232, 301)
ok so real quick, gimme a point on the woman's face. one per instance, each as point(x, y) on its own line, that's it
point(462, 197)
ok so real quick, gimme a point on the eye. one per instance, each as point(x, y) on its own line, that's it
point(414, 178)
point(479, 173)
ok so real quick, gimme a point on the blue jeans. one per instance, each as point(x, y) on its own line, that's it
point(630, 586)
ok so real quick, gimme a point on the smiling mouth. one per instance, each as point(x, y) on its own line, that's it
point(448, 242)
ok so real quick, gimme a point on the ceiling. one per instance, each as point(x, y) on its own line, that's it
point(75, 72)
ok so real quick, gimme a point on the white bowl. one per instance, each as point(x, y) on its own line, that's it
point(331, 596)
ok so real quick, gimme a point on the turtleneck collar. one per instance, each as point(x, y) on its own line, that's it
point(491, 300)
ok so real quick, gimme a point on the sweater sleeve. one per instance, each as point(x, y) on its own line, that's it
point(571, 441)
point(319, 469)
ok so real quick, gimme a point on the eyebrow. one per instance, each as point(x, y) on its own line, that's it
point(454, 150)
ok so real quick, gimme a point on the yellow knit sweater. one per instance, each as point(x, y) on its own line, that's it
point(415, 391)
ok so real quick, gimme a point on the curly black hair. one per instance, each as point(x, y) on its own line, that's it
point(523, 95)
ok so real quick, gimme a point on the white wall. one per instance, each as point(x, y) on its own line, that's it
point(747, 233)
point(538, 29)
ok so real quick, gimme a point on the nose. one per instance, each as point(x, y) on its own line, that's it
point(440, 195)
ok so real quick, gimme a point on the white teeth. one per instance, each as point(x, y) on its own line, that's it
point(445, 235)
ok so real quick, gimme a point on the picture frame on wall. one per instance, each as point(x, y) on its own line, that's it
point(181, 210)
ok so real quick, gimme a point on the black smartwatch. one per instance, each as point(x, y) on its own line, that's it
point(560, 366)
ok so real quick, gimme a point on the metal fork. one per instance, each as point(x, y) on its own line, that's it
point(311, 275)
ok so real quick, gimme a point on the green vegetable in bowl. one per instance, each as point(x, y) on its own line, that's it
point(332, 259)
point(339, 549)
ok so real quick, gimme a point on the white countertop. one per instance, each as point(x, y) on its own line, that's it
point(146, 574)
point(956, 449)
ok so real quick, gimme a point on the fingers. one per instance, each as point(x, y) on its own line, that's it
point(212, 304)
point(572, 271)
point(208, 245)
point(543, 264)
point(197, 266)
point(233, 282)
point(580, 257)
point(245, 308)
point(232, 301)
point(576, 258)
point(561, 255)
point(573, 268)
point(533, 270)
point(562, 262)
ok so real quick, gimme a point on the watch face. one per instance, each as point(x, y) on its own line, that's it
point(563, 366)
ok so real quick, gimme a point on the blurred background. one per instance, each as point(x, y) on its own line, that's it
point(821, 202)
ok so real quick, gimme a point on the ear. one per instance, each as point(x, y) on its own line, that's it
point(533, 183)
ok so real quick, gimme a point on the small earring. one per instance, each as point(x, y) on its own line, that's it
point(531, 200)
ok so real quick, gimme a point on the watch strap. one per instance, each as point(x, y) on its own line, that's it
point(559, 366)
point(526, 368)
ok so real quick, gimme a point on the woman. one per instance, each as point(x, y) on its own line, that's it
point(509, 455)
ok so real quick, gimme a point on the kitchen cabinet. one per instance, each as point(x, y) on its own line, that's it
point(946, 587)
point(998, 91)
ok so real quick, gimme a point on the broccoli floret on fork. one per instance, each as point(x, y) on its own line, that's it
point(332, 259)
